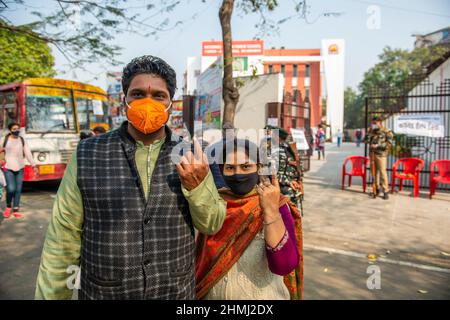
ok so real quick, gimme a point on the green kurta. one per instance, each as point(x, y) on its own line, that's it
point(63, 240)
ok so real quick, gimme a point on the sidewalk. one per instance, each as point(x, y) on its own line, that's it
point(342, 227)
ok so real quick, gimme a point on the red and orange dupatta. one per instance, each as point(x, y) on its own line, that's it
point(216, 254)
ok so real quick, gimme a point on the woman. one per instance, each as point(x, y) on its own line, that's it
point(320, 142)
point(258, 252)
point(16, 150)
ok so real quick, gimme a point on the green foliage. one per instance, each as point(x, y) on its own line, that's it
point(257, 5)
point(397, 72)
point(83, 31)
point(398, 65)
point(23, 56)
point(353, 109)
point(402, 145)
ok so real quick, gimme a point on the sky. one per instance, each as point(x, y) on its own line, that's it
point(365, 33)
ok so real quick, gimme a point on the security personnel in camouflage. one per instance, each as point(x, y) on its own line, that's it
point(289, 175)
point(380, 140)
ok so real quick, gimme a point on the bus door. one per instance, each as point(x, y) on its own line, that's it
point(9, 112)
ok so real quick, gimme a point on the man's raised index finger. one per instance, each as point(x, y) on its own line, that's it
point(198, 153)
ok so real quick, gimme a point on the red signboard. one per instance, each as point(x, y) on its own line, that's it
point(240, 48)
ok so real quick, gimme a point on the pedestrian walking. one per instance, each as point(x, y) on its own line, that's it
point(358, 136)
point(339, 138)
point(379, 139)
point(16, 151)
point(125, 212)
point(320, 142)
point(257, 254)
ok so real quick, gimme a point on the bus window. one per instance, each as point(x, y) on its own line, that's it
point(91, 113)
point(9, 109)
point(50, 111)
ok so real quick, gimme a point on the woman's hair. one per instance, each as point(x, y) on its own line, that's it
point(11, 125)
point(251, 150)
point(85, 135)
point(99, 129)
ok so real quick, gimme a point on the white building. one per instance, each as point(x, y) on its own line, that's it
point(303, 71)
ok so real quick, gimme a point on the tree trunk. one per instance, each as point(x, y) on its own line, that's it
point(230, 92)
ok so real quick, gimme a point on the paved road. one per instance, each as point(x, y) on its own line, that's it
point(336, 276)
point(21, 242)
point(408, 236)
point(342, 227)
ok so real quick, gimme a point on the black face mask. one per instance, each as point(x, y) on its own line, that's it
point(241, 184)
point(15, 133)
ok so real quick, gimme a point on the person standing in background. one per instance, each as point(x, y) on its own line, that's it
point(358, 135)
point(339, 138)
point(380, 140)
point(320, 142)
point(16, 150)
point(289, 174)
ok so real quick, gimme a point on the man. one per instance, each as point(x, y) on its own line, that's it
point(289, 175)
point(380, 139)
point(124, 211)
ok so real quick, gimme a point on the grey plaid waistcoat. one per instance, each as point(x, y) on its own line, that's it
point(133, 248)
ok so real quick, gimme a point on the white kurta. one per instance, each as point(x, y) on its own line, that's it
point(250, 277)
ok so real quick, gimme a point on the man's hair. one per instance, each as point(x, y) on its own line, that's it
point(99, 129)
point(376, 119)
point(149, 65)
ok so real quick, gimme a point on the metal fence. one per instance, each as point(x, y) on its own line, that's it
point(417, 96)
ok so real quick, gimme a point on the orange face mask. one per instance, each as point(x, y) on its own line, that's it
point(147, 115)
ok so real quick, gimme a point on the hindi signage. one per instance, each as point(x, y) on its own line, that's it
point(426, 125)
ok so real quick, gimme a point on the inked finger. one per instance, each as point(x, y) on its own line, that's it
point(275, 180)
point(198, 152)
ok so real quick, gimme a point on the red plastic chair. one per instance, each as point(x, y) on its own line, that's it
point(411, 171)
point(443, 174)
point(359, 165)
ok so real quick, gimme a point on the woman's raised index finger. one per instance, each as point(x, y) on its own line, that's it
point(275, 179)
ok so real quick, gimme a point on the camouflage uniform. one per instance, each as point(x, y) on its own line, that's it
point(282, 154)
point(382, 138)
point(288, 173)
